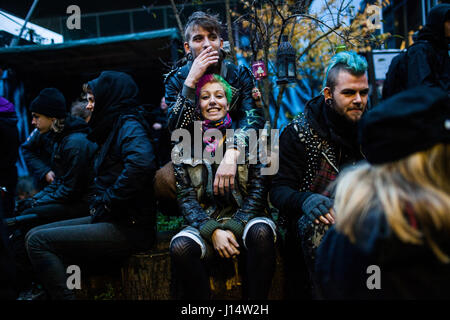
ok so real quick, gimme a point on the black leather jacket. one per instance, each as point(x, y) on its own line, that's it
point(124, 168)
point(182, 101)
point(203, 210)
point(37, 152)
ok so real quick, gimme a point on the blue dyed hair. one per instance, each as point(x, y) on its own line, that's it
point(347, 60)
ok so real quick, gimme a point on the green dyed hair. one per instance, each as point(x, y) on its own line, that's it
point(207, 78)
point(345, 60)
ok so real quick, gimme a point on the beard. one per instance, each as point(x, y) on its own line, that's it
point(343, 112)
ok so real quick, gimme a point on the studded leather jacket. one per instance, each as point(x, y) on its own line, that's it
point(182, 104)
point(207, 212)
point(311, 156)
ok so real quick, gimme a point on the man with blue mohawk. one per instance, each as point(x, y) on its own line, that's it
point(315, 147)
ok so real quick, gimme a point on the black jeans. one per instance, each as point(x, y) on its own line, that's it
point(46, 214)
point(53, 246)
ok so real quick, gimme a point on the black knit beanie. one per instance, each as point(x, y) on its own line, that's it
point(50, 102)
point(411, 121)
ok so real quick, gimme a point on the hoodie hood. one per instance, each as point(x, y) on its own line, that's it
point(112, 91)
point(434, 28)
point(115, 93)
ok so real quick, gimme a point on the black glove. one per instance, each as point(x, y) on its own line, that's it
point(99, 213)
point(99, 210)
point(24, 204)
point(316, 205)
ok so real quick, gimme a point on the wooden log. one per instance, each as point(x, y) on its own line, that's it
point(144, 276)
point(227, 279)
point(277, 290)
point(148, 276)
point(100, 287)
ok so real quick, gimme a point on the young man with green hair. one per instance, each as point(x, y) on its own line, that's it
point(315, 146)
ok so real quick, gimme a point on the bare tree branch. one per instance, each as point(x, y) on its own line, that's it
point(177, 17)
point(230, 31)
point(331, 12)
point(306, 16)
point(342, 9)
point(312, 43)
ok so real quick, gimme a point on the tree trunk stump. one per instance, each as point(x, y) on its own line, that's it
point(148, 276)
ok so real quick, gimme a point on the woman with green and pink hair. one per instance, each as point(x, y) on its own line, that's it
point(221, 226)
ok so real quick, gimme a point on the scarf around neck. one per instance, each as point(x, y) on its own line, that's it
point(211, 142)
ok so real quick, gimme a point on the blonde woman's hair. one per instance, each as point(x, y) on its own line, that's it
point(57, 125)
point(421, 181)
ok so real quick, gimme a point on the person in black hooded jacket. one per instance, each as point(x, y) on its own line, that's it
point(427, 61)
point(122, 217)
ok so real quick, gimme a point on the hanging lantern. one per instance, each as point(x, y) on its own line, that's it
point(286, 69)
point(259, 70)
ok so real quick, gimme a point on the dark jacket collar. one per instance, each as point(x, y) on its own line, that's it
point(315, 116)
point(72, 124)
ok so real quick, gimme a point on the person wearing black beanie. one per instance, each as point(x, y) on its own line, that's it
point(391, 239)
point(50, 102)
point(47, 110)
point(409, 122)
point(70, 161)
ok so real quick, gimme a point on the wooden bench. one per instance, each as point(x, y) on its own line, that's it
point(148, 276)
